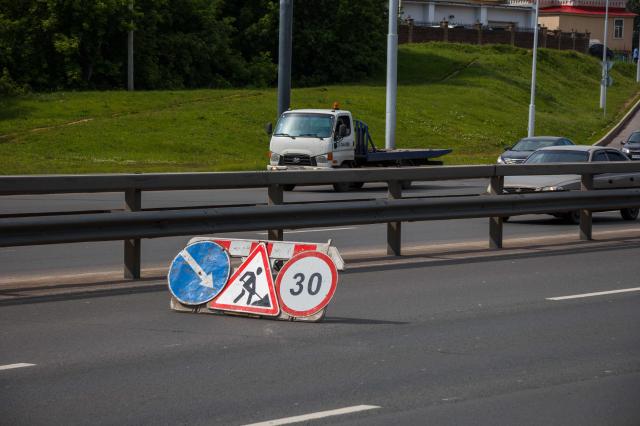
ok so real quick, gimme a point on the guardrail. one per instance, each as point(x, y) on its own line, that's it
point(135, 223)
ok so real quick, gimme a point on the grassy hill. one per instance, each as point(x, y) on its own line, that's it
point(473, 99)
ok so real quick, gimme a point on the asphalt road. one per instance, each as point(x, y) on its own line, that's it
point(18, 262)
point(449, 343)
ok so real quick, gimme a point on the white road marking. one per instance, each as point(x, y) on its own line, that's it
point(12, 366)
point(314, 416)
point(600, 293)
point(301, 231)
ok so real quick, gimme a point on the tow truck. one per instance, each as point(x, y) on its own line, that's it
point(326, 139)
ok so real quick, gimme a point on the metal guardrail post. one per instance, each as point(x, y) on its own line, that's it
point(275, 195)
point(394, 229)
point(585, 215)
point(495, 222)
point(132, 247)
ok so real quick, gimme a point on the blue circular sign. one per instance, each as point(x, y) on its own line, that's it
point(198, 273)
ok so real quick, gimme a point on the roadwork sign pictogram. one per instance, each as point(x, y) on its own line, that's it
point(251, 288)
point(198, 273)
point(306, 283)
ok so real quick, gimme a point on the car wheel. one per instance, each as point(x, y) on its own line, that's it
point(572, 217)
point(630, 214)
point(288, 187)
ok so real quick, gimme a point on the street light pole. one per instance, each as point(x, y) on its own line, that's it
point(605, 71)
point(285, 44)
point(532, 103)
point(638, 59)
point(392, 75)
point(130, 53)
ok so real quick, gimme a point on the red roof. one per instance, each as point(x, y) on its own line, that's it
point(587, 10)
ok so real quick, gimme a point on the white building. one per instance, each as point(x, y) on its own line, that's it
point(488, 13)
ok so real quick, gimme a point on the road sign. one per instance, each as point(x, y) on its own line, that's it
point(306, 283)
point(198, 273)
point(250, 289)
point(609, 65)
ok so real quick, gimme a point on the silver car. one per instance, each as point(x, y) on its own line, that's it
point(573, 154)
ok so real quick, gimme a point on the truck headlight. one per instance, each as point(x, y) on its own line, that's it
point(275, 158)
point(322, 160)
point(551, 188)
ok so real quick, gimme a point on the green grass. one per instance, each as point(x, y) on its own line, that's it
point(473, 99)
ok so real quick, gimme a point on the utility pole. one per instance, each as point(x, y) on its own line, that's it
point(130, 53)
point(392, 75)
point(532, 103)
point(605, 70)
point(638, 59)
point(284, 55)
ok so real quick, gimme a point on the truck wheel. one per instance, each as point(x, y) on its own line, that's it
point(572, 217)
point(342, 186)
point(630, 213)
point(288, 187)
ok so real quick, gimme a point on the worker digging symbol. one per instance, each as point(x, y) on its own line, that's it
point(250, 289)
point(249, 286)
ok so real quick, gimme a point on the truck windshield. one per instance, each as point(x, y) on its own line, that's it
point(303, 124)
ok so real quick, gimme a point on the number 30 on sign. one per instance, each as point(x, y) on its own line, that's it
point(306, 283)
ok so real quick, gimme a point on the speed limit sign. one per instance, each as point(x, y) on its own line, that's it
point(306, 283)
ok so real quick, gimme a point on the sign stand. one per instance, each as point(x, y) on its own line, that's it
point(287, 281)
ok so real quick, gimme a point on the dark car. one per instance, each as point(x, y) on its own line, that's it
point(520, 151)
point(631, 146)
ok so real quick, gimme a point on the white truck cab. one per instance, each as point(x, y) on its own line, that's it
point(312, 139)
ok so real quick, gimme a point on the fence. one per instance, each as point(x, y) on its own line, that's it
point(420, 32)
point(136, 223)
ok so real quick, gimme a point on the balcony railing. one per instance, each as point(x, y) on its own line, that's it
point(578, 3)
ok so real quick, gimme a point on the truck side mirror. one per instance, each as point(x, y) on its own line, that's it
point(342, 131)
point(268, 128)
point(507, 148)
point(622, 142)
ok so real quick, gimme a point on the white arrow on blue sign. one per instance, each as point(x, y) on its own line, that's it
point(198, 273)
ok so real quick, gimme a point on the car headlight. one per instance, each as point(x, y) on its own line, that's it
point(551, 188)
point(626, 150)
point(500, 160)
point(322, 160)
point(275, 158)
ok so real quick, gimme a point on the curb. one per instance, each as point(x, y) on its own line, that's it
point(608, 138)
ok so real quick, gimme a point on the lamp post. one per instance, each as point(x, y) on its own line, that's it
point(284, 55)
point(605, 70)
point(532, 103)
point(392, 75)
point(638, 59)
point(130, 53)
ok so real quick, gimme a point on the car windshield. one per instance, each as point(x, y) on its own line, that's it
point(558, 157)
point(634, 137)
point(533, 144)
point(301, 124)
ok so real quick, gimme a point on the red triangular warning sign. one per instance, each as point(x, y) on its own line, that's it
point(250, 289)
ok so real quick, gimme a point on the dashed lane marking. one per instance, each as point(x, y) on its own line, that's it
point(599, 293)
point(18, 365)
point(317, 415)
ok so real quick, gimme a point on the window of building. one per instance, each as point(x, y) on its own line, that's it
point(618, 25)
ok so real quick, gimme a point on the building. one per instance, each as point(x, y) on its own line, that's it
point(588, 16)
point(489, 13)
